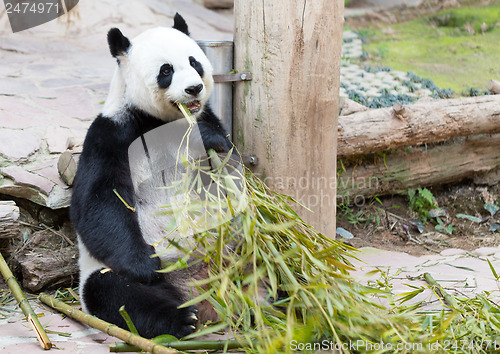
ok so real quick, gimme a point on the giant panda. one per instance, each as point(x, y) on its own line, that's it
point(155, 70)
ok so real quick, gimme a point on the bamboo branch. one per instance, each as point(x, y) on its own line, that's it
point(187, 345)
point(106, 327)
point(24, 304)
point(230, 185)
point(439, 291)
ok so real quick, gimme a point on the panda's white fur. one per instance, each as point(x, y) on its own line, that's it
point(140, 65)
point(142, 97)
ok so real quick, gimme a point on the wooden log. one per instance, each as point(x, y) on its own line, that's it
point(218, 4)
point(420, 166)
point(426, 121)
point(287, 115)
point(42, 268)
point(9, 219)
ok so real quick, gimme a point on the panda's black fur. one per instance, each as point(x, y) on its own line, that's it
point(109, 233)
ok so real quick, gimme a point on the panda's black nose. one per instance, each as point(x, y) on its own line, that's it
point(194, 90)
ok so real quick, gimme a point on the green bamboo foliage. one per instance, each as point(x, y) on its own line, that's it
point(274, 280)
point(24, 305)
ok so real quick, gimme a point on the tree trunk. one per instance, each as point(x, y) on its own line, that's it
point(9, 219)
point(287, 115)
point(426, 121)
point(421, 166)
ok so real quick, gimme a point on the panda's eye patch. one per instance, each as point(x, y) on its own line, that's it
point(165, 76)
point(196, 65)
point(166, 69)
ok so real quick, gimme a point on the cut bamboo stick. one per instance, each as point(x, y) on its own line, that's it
point(439, 291)
point(24, 304)
point(187, 345)
point(106, 327)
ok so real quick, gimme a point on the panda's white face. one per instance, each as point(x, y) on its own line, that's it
point(160, 68)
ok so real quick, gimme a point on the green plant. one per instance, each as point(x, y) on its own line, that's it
point(383, 50)
point(422, 202)
point(443, 227)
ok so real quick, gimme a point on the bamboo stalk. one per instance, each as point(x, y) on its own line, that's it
point(439, 291)
point(24, 304)
point(186, 114)
point(106, 327)
point(187, 345)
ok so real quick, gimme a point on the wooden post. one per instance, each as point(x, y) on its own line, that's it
point(287, 115)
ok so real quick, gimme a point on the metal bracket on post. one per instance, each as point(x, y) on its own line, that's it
point(246, 76)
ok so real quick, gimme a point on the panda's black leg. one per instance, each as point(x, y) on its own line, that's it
point(152, 308)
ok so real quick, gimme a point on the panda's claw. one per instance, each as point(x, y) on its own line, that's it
point(188, 321)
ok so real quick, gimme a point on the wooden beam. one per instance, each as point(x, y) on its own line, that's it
point(451, 161)
point(426, 121)
point(287, 115)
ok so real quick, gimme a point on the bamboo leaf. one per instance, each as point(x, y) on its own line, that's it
point(197, 299)
point(493, 269)
point(469, 217)
point(128, 320)
point(491, 208)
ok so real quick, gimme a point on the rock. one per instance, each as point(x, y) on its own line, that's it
point(67, 167)
point(21, 183)
point(59, 197)
point(494, 86)
point(18, 145)
point(452, 252)
point(60, 139)
point(25, 178)
point(72, 102)
point(57, 139)
point(485, 251)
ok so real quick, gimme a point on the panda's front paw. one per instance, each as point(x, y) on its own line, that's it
point(186, 322)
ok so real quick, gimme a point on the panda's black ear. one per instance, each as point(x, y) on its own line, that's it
point(180, 24)
point(118, 43)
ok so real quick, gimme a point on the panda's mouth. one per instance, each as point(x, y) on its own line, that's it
point(193, 106)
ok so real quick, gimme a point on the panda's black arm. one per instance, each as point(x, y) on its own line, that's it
point(212, 132)
point(107, 227)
